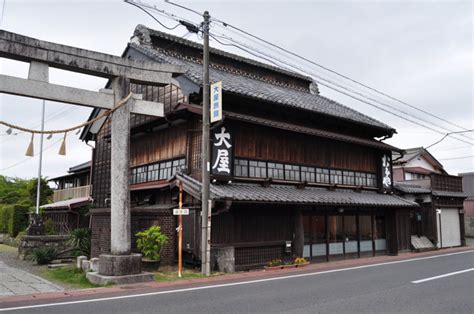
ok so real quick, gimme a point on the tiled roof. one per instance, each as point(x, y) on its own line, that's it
point(244, 85)
point(287, 194)
point(450, 194)
point(410, 188)
point(68, 204)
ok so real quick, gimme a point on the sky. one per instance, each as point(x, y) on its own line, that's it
point(418, 51)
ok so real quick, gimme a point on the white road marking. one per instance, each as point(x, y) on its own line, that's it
point(442, 276)
point(226, 284)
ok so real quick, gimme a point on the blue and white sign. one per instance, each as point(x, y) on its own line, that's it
point(216, 102)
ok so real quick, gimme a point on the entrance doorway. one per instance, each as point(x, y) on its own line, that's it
point(342, 234)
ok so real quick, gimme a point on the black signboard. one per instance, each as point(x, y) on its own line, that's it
point(222, 153)
point(386, 172)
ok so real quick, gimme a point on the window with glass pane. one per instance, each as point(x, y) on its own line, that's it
point(308, 174)
point(257, 169)
point(292, 172)
point(360, 179)
point(178, 164)
point(241, 168)
point(139, 174)
point(153, 172)
point(322, 175)
point(348, 177)
point(165, 170)
point(371, 180)
point(336, 176)
point(276, 171)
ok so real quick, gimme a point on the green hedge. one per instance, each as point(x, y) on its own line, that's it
point(13, 219)
point(4, 217)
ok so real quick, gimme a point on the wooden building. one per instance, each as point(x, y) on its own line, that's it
point(71, 199)
point(439, 221)
point(301, 175)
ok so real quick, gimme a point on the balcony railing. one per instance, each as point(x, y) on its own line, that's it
point(77, 192)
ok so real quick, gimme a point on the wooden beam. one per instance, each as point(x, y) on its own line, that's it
point(70, 95)
point(27, 49)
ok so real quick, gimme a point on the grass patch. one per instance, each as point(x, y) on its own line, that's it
point(70, 277)
point(7, 248)
point(165, 276)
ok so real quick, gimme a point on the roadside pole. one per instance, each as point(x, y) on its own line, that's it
point(180, 233)
point(38, 188)
point(205, 159)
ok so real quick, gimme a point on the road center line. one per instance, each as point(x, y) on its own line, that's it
point(442, 276)
point(227, 284)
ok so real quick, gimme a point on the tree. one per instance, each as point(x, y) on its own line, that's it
point(45, 191)
point(13, 190)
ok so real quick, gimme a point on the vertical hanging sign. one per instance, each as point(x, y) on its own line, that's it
point(386, 172)
point(222, 153)
point(216, 102)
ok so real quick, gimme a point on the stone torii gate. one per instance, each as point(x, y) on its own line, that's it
point(120, 265)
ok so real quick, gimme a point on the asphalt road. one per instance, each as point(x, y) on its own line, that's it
point(385, 288)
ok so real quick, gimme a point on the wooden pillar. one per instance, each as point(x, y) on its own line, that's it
point(343, 235)
point(326, 222)
point(372, 225)
point(358, 234)
point(299, 234)
point(461, 228)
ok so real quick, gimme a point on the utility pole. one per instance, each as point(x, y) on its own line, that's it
point(205, 157)
point(38, 188)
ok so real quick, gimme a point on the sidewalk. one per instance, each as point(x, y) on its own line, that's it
point(14, 281)
point(223, 279)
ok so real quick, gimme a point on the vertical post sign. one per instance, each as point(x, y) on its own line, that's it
point(222, 153)
point(216, 102)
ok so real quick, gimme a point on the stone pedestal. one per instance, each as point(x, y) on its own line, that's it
point(119, 269)
point(224, 258)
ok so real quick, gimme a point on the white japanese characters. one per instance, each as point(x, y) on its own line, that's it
point(222, 153)
point(386, 173)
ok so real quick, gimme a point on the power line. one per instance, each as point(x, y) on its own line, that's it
point(151, 15)
point(456, 158)
point(3, 13)
point(225, 24)
point(446, 135)
point(340, 86)
point(28, 159)
point(172, 16)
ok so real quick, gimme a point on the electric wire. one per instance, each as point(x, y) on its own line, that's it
point(151, 15)
point(342, 87)
point(172, 16)
point(225, 24)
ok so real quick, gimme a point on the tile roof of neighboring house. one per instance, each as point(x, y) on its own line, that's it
point(84, 166)
point(410, 188)
point(287, 194)
point(69, 204)
point(412, 153)
point(253, 87)
point(449, 194)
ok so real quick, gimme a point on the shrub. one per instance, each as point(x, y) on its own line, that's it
point(49, 227)
point(300, 260)
point(18, 219)
point(81, 241)
point(275, 262)
point(44, 255)
point(4, 218)
point(151, 241)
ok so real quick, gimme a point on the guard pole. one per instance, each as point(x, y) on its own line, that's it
point(205, 159)
point(180, 233)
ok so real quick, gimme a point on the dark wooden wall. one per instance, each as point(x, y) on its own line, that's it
point(259, 142)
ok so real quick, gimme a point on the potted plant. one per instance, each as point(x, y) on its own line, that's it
point(151, 242)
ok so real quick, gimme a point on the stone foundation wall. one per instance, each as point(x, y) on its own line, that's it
point(30, 243)
point(141, 220)
point(469, 226)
